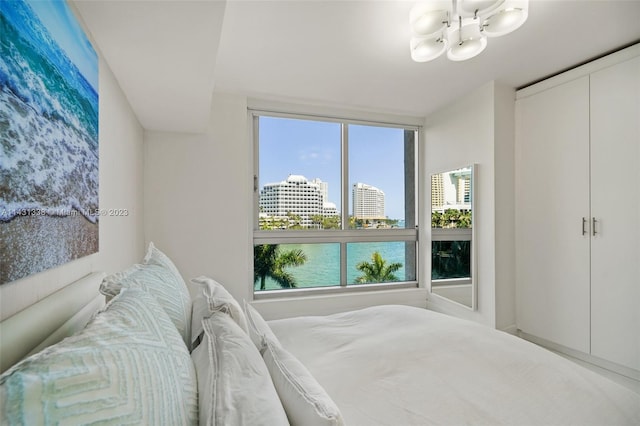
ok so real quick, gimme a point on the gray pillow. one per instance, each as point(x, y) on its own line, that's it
point(158, 276)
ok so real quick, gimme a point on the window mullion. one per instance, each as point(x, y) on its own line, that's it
point(345, 175)
point(255, 131)
point(343, 264)
point(345, 200)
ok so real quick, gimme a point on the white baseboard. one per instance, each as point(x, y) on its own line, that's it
point(599, 362)
point(512, 329)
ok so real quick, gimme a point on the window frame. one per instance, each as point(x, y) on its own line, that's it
point(342, 236)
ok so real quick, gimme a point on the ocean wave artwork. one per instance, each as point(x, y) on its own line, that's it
point(49, 210)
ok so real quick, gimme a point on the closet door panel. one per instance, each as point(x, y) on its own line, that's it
point(552, 197)
point(615, 204)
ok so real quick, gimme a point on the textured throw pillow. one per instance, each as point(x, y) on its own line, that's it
point(259, 330)
point(129, 365)
point(156, 257)
point(305, 401)
point(234, 386)
point(217, 298)
point(159, 276)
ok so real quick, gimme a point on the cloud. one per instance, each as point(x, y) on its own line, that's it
point(316, 155)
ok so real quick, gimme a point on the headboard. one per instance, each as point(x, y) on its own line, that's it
point(49, 320)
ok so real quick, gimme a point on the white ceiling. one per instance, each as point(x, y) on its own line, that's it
point(169, 55)
point(162, 53)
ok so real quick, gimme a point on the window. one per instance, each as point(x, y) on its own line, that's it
point(335, 204)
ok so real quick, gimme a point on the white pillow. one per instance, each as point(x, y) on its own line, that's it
point(259, 330)
point(218, 299)
point(199, 311)
point(156, 257)
point(305, 401)
point(129, 365)
point(158, 276)
point(234, 386)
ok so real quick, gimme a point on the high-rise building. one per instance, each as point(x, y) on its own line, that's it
point(324, 188)
point(329, 209)
point(296, 196)
point(437, 190)
point(451, 190)
point(368, 202)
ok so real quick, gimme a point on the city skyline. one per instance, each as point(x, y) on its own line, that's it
point(451, 190)
point(307, 198)
point(323, 190)
point(313, 149)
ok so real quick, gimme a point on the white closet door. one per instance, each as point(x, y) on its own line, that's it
point(552, 197)
point(615, 204)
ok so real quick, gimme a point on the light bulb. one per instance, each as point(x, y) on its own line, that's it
point(504, 22)
point(466, 42)
point(427, 49)
point(428, 18)
point(470, 6)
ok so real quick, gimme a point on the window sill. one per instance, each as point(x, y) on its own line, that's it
point(315, 291)
point(308, 302)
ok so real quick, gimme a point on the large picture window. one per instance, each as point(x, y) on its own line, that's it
point(335, 204)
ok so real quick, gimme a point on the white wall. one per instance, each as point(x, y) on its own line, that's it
point(198, 210)
point(504, 187)
point(198, 197)
point(121, 238)
point(478, 129)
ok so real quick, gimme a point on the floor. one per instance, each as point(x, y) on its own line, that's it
point(625, 381)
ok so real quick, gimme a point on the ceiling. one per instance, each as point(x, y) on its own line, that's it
point(168, 56)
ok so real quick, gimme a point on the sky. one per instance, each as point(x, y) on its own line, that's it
point(67, 32)
point(312, 149)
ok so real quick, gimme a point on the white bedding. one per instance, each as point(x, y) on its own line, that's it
point(398, 365)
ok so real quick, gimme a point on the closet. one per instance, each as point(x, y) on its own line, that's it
point(578, 211)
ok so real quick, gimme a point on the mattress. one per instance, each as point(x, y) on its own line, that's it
point(400, 365)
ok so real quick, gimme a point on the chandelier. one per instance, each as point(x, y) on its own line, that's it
point(461, 27)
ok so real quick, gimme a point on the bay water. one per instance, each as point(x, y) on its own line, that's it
point(322, 268)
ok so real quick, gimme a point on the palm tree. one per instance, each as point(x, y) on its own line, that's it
point(465, 219)
point(270, 262)
point(436, 219)
point(450, 218)
point(377, 271)
point(317, 219)
point(331, 222)
point(295, 221)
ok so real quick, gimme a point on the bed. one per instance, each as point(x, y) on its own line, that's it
point(154, 355)
point(400, 365)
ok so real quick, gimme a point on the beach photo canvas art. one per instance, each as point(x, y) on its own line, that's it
point(49, 208)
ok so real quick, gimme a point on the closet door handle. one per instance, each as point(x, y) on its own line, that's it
point(593, 226)
point(584, 224)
